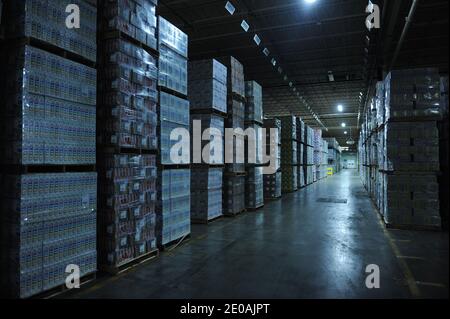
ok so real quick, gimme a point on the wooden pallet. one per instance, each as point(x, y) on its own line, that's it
point(235, 174)
point(209, 111)
point(172, 92)
point(130, 264)
point(412, 227)
point(61, 289)
point(30, 169)
point(237, 97)
point(272, 199)
point(175, 243)
point(51, 48)
point(205, 221)
point(235, 213)
point(112, 149)
point(254, 209)
point(207, 166)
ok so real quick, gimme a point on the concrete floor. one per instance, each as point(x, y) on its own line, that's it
point(296, 247)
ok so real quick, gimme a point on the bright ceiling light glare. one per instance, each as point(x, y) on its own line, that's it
point(230, 8)
point(274, 62)
point(310, 1)
point(245, 26)
point(340, 108)
point(345, 133)
point(266, 52)
point(343, 125)
point(257, 39)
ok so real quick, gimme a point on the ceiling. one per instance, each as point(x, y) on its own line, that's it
point(308, 41)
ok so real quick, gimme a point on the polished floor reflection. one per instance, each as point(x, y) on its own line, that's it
point(315, 243)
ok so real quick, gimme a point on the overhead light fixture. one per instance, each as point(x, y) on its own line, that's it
point(274, 62)
point(343, 125)
point(310, 1)
point(280, 70)
point(340, 108)
point(345, 132)
point(245, 25)
point(257, 39)
point(266, 52)
point(230, 8)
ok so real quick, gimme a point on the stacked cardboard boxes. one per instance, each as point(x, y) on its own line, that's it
point(443, 127)
point(254, 185)
point(208, 99)
point(289, 154)
point(272, 182)
point(318, 154)
point(173, 214)
point(234, 176)
point(127, 132)
point(400, 155)
point(49, 185)
point(308, 156)
point(334, 156)
point(301, 153)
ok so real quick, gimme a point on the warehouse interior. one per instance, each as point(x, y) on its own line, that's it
point(348, 98)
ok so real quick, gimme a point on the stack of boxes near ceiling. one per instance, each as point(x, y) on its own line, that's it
point(174, 179)
point(301, 182)
point(254, 193)
point(443, 126)
point(49, 194)
point(308, 155)
point(208, 100)
point(408, 149)
point(272, 182)
point(333, 155)
point(234, 176)
point(127, 137)
point(318, 148)
point(289, 154)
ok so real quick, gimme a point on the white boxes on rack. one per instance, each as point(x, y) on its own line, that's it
point(254, 102)
point(46, 21)
point(235, 81)
point(254, 192)
point(206, 192)
point(127, 213)
point(208, 85)
point(135, 18)
point(174, 205)
point(52, 117)
point(173, 50)
point(211, 152)
point(174, 114)
point(49, 222)
point(412, 93)
point(411, 146)
point(411, 199)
